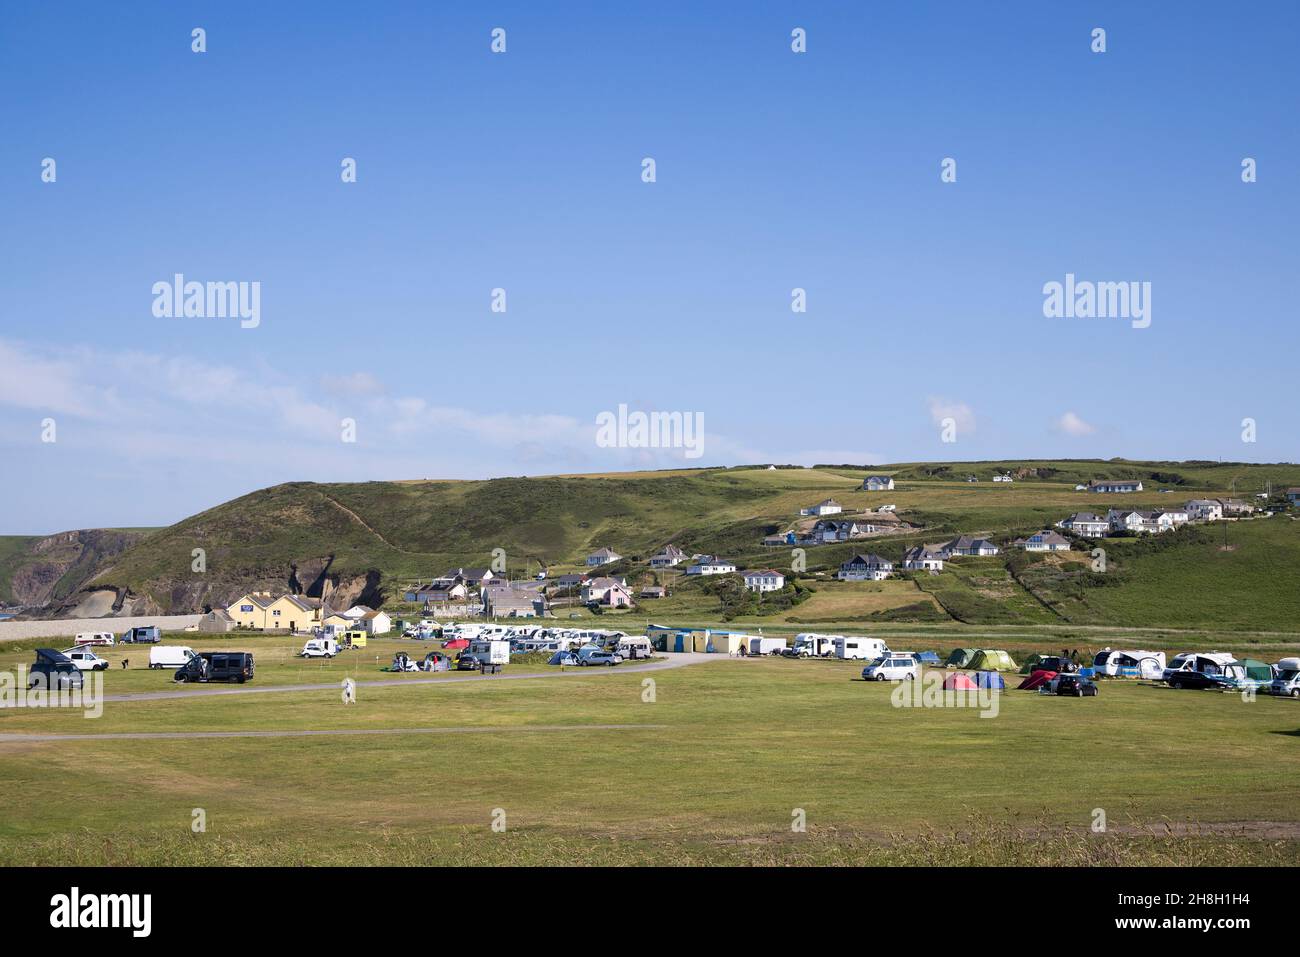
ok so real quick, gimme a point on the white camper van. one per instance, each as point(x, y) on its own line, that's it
point(810, 645)
point(169, 656)
point(1287, 681)
point(853, 647)
point(1123, 663)
point(104, 638)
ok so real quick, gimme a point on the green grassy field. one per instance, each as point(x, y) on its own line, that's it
point(710, 771)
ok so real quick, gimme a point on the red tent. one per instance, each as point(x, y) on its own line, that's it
point(1036, 679)
point(456, 643)
point(959, 682)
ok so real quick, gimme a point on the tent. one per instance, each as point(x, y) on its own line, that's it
point(989, 659)
point(926, 657)
point(960, 658)
point(989, 679)
point(958, 682)
point(1036, 679)
point(1257, 670)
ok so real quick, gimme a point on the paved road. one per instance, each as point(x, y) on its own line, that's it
point(171, 735)
point(674, 661)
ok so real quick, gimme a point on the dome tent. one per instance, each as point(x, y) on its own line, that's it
point(1037, 679)
point(959, 682)
point(991, 659)
point(960, 658)
point(990, 679)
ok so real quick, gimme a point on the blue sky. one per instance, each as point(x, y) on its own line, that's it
point(775, 170)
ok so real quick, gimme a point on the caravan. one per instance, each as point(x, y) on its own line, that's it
point(1123, 663)
point(854, 648)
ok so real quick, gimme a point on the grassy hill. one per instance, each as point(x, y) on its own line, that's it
point(369, 540)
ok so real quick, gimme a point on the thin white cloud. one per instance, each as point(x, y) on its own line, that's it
point(961, 413)
point(1071, 424)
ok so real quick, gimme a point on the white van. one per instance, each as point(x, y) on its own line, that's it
point(853, 648)
point(169, 656)
point(85, 659)
point(104, 638)
point(892, 667)
point(320, 648)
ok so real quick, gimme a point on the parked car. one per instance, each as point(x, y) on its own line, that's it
point(1075, 685)
point(892, 667)
point(85, 659)
point(467, 662)
point(142, 635)
point(234, 666)
point(609, 658)
point(1193, 670)
point(101, 638)
point(1287, 681)
point(54, 670)
point(1057, 663)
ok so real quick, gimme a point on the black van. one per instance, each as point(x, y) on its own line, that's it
point(53, 671)
point(218, 666)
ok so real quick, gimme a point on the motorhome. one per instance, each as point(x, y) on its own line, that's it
point(169, 656)
point(490, 651)
point(104, 638)
point(810, 645)
point(631, 647)
point(1195, 669)
point(1124, 663)
point(1287, 680)
point(854, 647)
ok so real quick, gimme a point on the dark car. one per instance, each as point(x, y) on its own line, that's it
point(1055, 663)
point(234, 666)
point(468, 662)
point(1075, 685)
point(54, 670)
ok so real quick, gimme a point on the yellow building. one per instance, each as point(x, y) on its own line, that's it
point(258, 611)
point(249, 612)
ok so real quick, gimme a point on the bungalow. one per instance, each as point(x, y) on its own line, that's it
point(509, 603)
point(1086, 524)
point(1205, 509)
point(711, 565)
point(969, 545)
point(376, 623)
point(668, 558)
point(607, 592)
point(924, 558)
point(877, 483)
point(865, 568)
point(1047, 541)
point(216, 620)
point(438, 590)
point(825, 507)
point(1114, 485)
point(653, 591)
point(603, 556)
point(567, 582)
point(470, 577)
point(764, 579)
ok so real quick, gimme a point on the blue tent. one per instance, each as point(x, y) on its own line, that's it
point(989, 679)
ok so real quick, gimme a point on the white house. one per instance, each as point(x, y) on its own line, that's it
point(1114, 486)
point(1047, 541)
point(865, 568)
point(710, 565)
point(969, 545)
point(827, 507)
point(376, 622)
point(1087, 524)
point(924, 558)
point(877, 483)
point(610, 592)
point(668, 558)
point(764, 579)
point(603, 556)
point(1130, 520)
point(1204, 510)
point(1170, 518)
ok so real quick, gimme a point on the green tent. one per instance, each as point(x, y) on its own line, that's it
point(987, 659)
point(1257, 670)
point(960, 658)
